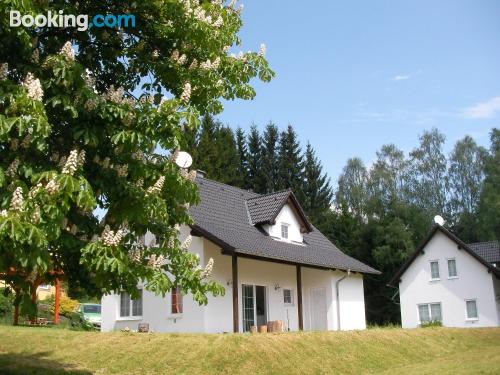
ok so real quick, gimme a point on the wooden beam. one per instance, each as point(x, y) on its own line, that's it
point(57, 301)
point(299, 297)
point(236, 320)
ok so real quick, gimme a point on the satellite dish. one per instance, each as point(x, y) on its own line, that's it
point(439, 220)
point(183, 159)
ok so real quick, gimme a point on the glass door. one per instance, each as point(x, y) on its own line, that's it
point(254, 306)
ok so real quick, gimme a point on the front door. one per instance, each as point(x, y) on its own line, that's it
point(318, 309)
point(254, 306)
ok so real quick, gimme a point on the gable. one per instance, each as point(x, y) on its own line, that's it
point(264, 209)
point(287, 217)
point(444, 237)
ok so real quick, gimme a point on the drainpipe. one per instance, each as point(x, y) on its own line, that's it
point(337, 293)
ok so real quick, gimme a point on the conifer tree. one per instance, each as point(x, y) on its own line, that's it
point(270, 157)
point(255, 179)
point(290, 163)
point(316, 186)
point(241, 147)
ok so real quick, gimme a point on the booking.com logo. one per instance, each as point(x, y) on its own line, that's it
point(80, 21)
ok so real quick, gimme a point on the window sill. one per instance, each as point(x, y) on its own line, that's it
point(472, 320)
point(175, 316)
point(128, 318)
point(289, 305)
point(452, 277)
point(434, 280)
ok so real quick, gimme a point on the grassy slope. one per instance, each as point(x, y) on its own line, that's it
point(25, 350)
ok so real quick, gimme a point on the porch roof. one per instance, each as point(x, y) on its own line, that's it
point(223, 217)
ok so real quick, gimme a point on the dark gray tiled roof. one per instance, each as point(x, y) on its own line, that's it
point(264, 208)
point(489, 251)
point(222, 216)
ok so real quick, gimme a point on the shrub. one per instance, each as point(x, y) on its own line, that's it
point(432, 323)
point(67, 305)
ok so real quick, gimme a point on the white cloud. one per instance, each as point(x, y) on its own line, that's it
point(401, 77)
point(485, 109)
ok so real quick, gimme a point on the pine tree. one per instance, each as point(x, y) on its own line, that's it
point(206, 156)
point(242, 170)
point(270, 157)
point(256, 182)
point(226, 164)
point(290, 163)
point(316, 186)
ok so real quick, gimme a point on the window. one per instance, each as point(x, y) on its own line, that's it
point(130, 307)
point(471, 307)
point(452, 268)
point(287, 296)
point(429, 312)
point(284, 230)
point(434, 270)
point(176, 307)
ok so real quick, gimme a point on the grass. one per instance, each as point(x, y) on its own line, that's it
point(29, 350)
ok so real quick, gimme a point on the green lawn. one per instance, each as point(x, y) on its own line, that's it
point(26, 350)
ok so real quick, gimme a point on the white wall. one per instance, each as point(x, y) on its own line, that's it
point(473, 282)
point(286, 216)
point(351, 294)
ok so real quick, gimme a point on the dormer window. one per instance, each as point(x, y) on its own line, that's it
point(284, 230)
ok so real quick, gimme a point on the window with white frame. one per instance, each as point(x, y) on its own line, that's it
point(452, 268)
point(429, 312)
point(130, 307)
point(434, 269)
point(471, 307)
point(287, 297)
point(284, 230)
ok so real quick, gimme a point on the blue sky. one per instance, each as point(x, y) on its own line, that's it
point(354, 75)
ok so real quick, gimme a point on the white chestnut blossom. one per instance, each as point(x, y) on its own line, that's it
point(182, 60)
point(218, 22)
point(71, 164)
point(91, 104)
point(192, 175)
point(186, 243)
point(35, 56)
point(34, 87)
point(155, 54)
point(175, 55)
point(208, 269)
point(67, 52)
point(12, 170)
point(4, 71)
point(156, 261)
point(35, 216)
point(3, 213)
point(110, 238)
point(186, 93)
point(262, 50)
point(52, 187)
point(81, 158)
point(16, 204)
point(122, 170)
point(136, 254)
point(194, 64)
point(156, 188)
point(115, 95)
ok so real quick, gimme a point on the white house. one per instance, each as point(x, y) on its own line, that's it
point(449, 281)
point(272, 262)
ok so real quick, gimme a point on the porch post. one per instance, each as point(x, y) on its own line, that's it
point(57, 301)
point(236, 320)
point(299, 297)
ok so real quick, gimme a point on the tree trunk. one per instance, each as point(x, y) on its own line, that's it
point(34, 287)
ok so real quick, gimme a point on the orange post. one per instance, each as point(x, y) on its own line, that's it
point(57, 301)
